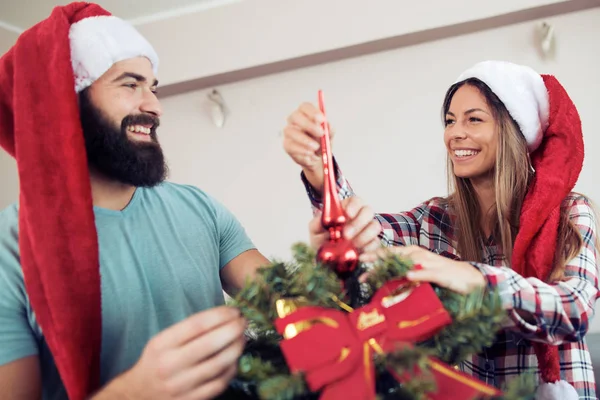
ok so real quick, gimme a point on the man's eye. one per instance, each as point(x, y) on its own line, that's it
point(131, 85)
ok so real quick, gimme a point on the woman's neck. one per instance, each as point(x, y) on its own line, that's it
point(486, 196)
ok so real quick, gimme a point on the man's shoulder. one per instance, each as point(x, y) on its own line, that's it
point(181, 195)
point(9, 220)
point(9, 238)
point(175, 190)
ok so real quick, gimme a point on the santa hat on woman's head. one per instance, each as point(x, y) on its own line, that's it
point(40, 126)
point(550, 123)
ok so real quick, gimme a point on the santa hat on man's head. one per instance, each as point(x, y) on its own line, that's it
point(550, 123)
point(40, 77)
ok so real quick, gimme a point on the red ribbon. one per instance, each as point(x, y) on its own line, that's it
point(335, 349)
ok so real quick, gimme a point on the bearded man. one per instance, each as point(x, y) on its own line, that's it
point(111, 278)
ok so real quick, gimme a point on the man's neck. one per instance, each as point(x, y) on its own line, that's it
point(110, 194)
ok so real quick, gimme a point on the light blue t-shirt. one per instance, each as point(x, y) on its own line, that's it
point(160, 259)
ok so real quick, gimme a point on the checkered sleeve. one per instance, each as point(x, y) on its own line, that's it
point(343, 187)
point(397, 229)
point(561, 311)
point(402, 229)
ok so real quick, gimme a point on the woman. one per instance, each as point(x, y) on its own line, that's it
point(515, 150)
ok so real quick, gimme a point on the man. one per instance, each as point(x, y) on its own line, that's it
point(110, 278)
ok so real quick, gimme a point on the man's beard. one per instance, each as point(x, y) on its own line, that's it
point(113, 154)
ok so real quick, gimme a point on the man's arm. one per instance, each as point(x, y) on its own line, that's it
point(21, 379)
point(242, 267)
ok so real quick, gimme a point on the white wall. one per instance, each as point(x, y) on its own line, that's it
point(195, 40)
point(9, 182)
point(386, 110)
point(284, 29)
point(7, 39)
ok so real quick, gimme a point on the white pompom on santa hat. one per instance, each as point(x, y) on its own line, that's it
point(99, 42)
point(551, 126)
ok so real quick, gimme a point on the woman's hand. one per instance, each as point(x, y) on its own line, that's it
point(302, 141)
point(458, 276)
point(362, 228)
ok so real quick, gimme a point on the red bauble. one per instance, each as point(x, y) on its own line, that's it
point(340, 255)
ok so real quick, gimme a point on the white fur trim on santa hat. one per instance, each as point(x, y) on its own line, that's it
point(99, 42)
point(523, 92)
point(560, 390)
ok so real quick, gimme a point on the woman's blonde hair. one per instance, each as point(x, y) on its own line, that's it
point(512, 176)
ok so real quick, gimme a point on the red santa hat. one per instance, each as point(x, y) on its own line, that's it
point(40, 77)
point(550, 123)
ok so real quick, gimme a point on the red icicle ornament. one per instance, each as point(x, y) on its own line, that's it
point(337, 252)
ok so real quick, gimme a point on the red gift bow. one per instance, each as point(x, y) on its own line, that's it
point(335, 349)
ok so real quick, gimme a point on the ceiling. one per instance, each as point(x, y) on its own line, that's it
point(18, 15)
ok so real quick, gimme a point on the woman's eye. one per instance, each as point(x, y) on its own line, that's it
point(475, 119)
point(449, 121)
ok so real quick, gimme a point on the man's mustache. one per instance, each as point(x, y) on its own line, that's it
point(140, 119)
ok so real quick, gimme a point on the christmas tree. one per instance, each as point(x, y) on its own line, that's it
point(414, 358)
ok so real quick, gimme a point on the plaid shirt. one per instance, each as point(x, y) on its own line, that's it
point(561, 311)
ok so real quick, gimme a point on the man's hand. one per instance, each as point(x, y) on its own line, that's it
point(192, 360)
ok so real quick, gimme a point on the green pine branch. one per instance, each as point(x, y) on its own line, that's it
point(476, 319)
point(411, 363)
point(253, 368)
point(392, 266)
point(283, 387)
point(522, 387)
